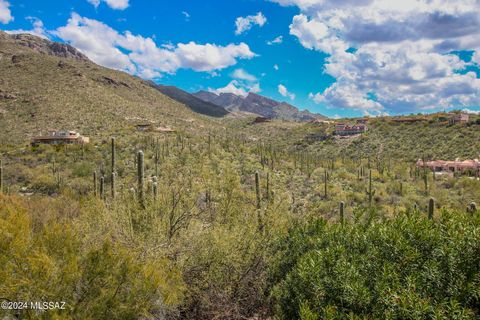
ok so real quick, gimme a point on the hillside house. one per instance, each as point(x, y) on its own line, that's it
point(60, 137)
point(342, 129)
point(471, 167)
point(459, 118)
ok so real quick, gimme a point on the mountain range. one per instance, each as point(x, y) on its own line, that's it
point(256, 104)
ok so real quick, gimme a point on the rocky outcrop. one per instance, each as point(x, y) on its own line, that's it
point(44, 46)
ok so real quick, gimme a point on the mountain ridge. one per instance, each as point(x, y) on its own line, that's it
point(194, 103)
point(258, 104)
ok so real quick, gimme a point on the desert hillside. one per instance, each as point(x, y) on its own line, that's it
point(46, 85)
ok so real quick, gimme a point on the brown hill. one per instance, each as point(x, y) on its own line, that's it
point(46, 85)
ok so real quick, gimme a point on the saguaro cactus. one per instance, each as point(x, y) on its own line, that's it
point(113, 155)
point(268, 186)
point(95, 183)
point(1, 177)
point(342, 212)
point(102, 188)
point(431, 208)
point(425, 176)
point(112, 182)
point(370, 192)
point(154, 191)
point(325, 183)
point(257, 189)
point(154, 187)
point(140, 179)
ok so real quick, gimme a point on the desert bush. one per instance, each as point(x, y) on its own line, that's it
point(97, 281)
point(403, 268)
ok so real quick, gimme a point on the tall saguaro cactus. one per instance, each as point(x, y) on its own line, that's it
point(370, 192)
point(257, 189)
point(1, 177)
point(431, 208)
point(113, 155)
point(342, 212)
point(95, 183)
point(114, 174)
point(325, 183)
point(268, 187)
point(140, 179)
point(154, 187)
point(102, 188)
point(112, 183)
point(425, 176)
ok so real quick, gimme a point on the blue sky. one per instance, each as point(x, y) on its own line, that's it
point(338, 58)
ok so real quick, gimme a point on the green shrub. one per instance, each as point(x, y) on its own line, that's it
point(96, 281)
point(404, 268)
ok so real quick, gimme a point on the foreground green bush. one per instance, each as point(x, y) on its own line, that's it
point(404, 268)
point(105, 280)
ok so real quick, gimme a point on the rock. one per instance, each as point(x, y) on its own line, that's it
point(7, 96)
point(113, 82)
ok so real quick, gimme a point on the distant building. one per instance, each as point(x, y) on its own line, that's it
point(459, 118)
point(342, 129)
point(60, 137)
point(470, 166)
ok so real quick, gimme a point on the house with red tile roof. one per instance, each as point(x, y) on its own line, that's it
point(60, 137)
point(342, 129)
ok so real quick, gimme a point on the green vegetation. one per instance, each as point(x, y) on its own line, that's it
point(407, 267)
point(217, 209)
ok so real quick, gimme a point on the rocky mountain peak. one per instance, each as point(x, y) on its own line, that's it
point(45, 46)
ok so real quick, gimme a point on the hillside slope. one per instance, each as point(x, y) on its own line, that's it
point(434, 138)
point(46, 85)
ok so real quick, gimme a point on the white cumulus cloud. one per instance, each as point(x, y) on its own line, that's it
point(392, 56)
point(5, 13)
point(238, 88)
point(277, 40)
point(37, 28)
point(285, 93)
point(141, 56)
point(243, 24)
point(243, 75)
point(114, 4)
